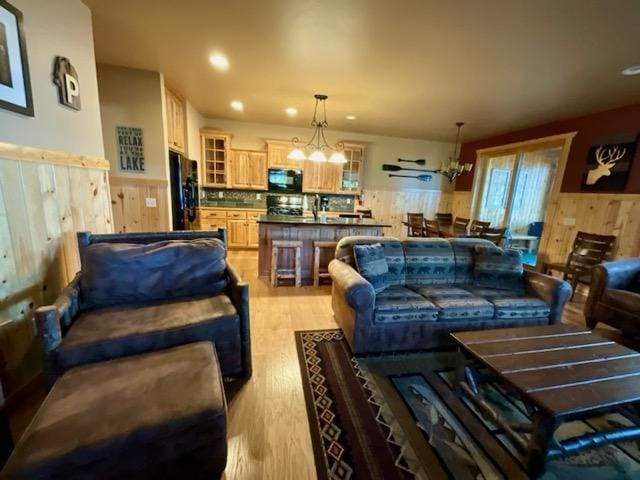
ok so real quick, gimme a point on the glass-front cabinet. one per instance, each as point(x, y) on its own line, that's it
point(215, 158)
point(351, 180)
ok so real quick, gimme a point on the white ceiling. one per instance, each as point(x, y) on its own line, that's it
point(404, 68)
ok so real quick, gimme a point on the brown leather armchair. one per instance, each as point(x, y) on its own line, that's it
point(614, 296)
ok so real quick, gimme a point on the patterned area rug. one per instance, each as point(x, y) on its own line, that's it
point(396, 416)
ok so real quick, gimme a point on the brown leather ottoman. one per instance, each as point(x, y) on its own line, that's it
point(158, 415)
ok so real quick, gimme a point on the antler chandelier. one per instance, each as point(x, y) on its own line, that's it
point(316, 147)
point(453, 168)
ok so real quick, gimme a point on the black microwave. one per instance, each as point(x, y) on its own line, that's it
point(285, 181)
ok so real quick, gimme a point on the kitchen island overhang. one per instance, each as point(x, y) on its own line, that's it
point(307, 230)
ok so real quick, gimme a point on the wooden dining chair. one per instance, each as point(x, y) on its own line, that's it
point(365, 213)
point(589, 249)
point(431, 228)
point(414, 221)
point(445, 220)
point(477, 226)
point(493, 234)
point(460, 226)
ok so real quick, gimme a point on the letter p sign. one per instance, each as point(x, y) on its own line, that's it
point(66, 79)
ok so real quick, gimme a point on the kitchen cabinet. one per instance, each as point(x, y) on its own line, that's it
point(321, 177)
point(241, 225)
point(238, 232)
point(248, 169)
point(277, 152)
point(216, 152)
point(175, 121)
point(351, 174)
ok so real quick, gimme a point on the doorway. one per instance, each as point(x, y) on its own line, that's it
point(513, 192)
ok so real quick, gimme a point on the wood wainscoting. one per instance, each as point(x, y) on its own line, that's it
point(601, 213)
point(129, 201)
point(45, 198)
point(392, 206)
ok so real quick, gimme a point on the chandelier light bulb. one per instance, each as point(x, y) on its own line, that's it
point(337, 157)
point(317, 156)
point(296, 154)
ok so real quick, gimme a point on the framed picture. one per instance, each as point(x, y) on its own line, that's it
point(609, 164)
point(15, 86)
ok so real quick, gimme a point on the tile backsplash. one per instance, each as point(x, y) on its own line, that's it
point(210, 197)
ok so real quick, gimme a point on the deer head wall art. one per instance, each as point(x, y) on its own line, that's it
point(606, 159)
point(608, 166)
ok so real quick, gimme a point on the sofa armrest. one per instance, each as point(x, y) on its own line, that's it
point(238, 291)
point(357, 291)
point(53, 321)
point(615, 275)
point(554, 291)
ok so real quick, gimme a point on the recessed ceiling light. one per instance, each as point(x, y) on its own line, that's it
point(632, 70)
point(291, 111)
point(350, 117)
point(237, 105)
point(219, 61)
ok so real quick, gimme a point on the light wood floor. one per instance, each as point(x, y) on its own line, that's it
point(269, 433)
point(268, 428)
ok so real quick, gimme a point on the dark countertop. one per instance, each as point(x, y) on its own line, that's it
point(352, 222)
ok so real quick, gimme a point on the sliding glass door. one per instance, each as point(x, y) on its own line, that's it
point(512, 190)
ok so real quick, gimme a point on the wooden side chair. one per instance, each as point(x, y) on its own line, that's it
point(460, 226)
point(445, 220)
point(477, 226)
point(431, 228)
point(589, 250)
point(414, 221)
point(493, 234)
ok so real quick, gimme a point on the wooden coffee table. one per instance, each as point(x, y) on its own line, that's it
point(561, 372)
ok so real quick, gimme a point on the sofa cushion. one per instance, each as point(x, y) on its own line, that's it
point(392, 251)
point(401, 304)
point(463, 254)
point(491, 293)
point(113, 420)
point(429, 261)
point(123, 273)
point(498, 268)
point(104, 334)
point(372, 265)
point(520, 307)
point(469, 308)
point(440, 291)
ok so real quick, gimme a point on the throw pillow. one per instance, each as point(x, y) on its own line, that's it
point(372, 265)
point(123, 273)
point(498, 268)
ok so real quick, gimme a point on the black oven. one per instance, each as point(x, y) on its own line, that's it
point(285, 181)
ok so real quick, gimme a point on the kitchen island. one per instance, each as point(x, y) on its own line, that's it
point(308, 229)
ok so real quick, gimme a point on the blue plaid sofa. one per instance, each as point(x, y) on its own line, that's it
point(433, 291)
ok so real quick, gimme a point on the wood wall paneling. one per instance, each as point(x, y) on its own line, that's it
point(44, 201)
point(130, 211)
point(392, 206)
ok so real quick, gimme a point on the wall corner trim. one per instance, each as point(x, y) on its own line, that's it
point(31, 154)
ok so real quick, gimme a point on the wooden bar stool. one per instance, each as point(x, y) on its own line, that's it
point(318, 246)
point(286, 273)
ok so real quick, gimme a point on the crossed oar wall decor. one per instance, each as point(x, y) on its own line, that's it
point(397, 168)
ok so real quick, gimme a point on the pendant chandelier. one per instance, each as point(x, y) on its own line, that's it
point(453, 168)
point(317, 148)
